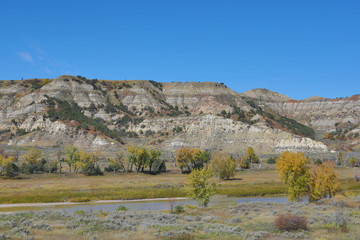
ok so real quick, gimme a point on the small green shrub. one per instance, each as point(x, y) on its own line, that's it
point(101, 213)
point(317, 162)
point(271, 160)
point(179, 209)
point(80, 212)
point(122, 208)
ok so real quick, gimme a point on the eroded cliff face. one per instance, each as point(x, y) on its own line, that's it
point(215, 133)
point(321, 114)
point(166, 115)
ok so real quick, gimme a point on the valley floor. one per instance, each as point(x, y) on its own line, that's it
point(337, 218)
point(65, 187)
point(331, 219)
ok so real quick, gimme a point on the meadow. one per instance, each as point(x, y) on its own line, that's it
point(42, 188)
point(331, 219)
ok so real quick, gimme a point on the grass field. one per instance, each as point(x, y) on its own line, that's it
point(331, 219)
point(79, 188)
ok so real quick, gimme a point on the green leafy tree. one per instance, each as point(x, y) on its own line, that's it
point(340, 159)
point(72, 155)
point(353, 161)
point(143, 158)
point(58, 156)
point(271, 160)
point(294, 170)
point(199, 158)
point(154, 158)
point(200, 189)
point(116, 164)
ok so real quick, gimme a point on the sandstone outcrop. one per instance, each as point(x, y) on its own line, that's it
point(166, 115)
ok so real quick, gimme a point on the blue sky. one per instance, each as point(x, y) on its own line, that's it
point(298, 48)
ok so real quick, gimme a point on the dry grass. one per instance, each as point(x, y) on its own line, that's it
point(78, 188)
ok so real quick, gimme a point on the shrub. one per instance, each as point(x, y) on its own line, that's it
point(149, 133)
point(317, 162)
point(122, 208)
point(179, 209)
point(38, 167)
point(271, 160)
point(92, 170)
point(156, 84)
point(80, 212)
point(290, 222)
point(182, 236)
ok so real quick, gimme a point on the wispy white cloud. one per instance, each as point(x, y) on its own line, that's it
point(46, 63)
point(39, 51)
point(47, 70)
point(26, 56)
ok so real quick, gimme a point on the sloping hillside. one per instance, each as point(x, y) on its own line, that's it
point(113, 114)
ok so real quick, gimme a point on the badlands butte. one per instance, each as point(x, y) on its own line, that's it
point(111, 115)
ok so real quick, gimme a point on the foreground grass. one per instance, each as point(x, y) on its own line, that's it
point(78, 188)
point(251, 220)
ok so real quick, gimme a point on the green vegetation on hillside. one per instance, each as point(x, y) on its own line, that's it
point(62, 110)
point(296, 128)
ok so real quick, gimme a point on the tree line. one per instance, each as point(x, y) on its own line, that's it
point(33, 162)
point(318, 180)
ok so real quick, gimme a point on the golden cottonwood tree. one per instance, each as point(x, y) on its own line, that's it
point(34, 155)
point(324, 181)
point(223, 165)
point(183, 158)
point(250, 155)
point(294, 170)
point(188, 159)
point(7, 166)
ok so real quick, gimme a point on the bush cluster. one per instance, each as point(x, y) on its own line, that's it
point(290, 222)
point(41, 167)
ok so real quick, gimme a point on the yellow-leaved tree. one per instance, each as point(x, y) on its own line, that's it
point(34, 156)
point(189, 159)
point(87, 163)
point(250, 155)
point(293, 169)
point(223, 165)
point(116, 164)
point(199, 188)
point(324, 181)
point(7, 166)
point(183, 158)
